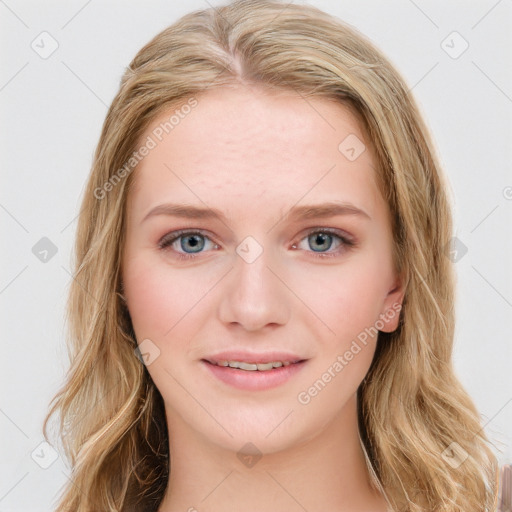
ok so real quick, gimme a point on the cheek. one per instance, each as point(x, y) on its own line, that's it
point(155, 298)
point(165, 303)
point(346, 299)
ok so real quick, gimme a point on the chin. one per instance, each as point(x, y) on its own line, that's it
point(263, 430)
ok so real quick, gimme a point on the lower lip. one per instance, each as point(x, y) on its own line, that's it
point(254, 380)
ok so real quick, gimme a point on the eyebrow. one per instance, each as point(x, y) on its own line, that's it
point(313, 211)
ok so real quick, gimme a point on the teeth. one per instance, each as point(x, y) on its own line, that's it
point(266, 366)
point(253, 367)
point(246, 366)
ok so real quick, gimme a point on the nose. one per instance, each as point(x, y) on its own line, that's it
point(254, 296)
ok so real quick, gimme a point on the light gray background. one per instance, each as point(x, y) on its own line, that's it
point(52, 110)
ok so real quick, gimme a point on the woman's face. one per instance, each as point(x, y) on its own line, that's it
point(256, 233)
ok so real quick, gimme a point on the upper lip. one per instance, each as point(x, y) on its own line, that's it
point(251, 357)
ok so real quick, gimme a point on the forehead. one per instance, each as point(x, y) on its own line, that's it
point(247, 145)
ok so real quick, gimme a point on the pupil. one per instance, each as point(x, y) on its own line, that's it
point(321, 239)
point(194, 243)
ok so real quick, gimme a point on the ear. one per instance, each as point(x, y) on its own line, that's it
point(392, 307)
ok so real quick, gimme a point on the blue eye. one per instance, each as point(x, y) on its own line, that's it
point(324, 240)
point(185, 243)
point(193, 242)
point(188, 244)
point(321, 242)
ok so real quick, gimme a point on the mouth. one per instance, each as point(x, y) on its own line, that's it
point(253, 372)
point(253, 367)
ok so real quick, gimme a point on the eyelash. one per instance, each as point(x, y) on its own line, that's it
point(165, 242)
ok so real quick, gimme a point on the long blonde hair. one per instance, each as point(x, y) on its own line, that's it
point(412, 408)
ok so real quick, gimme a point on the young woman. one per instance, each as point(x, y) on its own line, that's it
point(262, 315)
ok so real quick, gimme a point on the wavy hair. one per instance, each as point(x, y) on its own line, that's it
point(411, 406)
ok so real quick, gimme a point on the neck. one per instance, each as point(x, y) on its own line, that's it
point(327, 472)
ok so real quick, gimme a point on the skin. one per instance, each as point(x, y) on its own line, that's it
point(254, 154)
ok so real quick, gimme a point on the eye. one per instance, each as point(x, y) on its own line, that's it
point(186, 243)
point(322, 240)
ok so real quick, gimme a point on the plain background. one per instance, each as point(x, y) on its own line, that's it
point(52, 110)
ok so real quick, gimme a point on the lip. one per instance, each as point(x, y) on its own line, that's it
point(253, 380)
